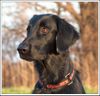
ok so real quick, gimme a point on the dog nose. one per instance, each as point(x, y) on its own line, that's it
point(23, 49)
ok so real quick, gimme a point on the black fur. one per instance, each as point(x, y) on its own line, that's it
point(47, 42)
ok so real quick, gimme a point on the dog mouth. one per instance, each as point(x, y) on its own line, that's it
point(28, 57)
point(25, 57)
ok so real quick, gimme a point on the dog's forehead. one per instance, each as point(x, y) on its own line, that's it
point(38, 18)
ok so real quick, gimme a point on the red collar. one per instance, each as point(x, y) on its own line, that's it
point(68, 81)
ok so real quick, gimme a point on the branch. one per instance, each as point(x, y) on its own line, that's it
point(70, 9)
point(42, 8)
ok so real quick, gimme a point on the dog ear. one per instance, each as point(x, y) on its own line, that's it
point(66, 35)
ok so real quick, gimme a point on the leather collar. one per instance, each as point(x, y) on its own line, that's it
point(68, 81)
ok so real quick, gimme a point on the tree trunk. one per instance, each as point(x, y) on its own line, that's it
point(89, 38)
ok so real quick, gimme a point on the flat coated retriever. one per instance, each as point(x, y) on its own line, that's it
point(47, 42)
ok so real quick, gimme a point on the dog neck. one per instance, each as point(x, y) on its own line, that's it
point(54, 69)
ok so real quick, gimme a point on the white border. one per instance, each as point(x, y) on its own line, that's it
point(50, 1)
point(0, 53)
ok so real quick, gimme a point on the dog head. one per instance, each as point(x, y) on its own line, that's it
point(46, 34)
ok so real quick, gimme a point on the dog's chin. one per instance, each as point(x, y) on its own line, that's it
point(26, 58)
point(33, 58)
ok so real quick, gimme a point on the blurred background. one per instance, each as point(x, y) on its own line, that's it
point(18, 76)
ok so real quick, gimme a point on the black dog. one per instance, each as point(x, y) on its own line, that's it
point(47, 42)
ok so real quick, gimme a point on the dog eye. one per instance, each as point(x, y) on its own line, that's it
point(44, 30)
